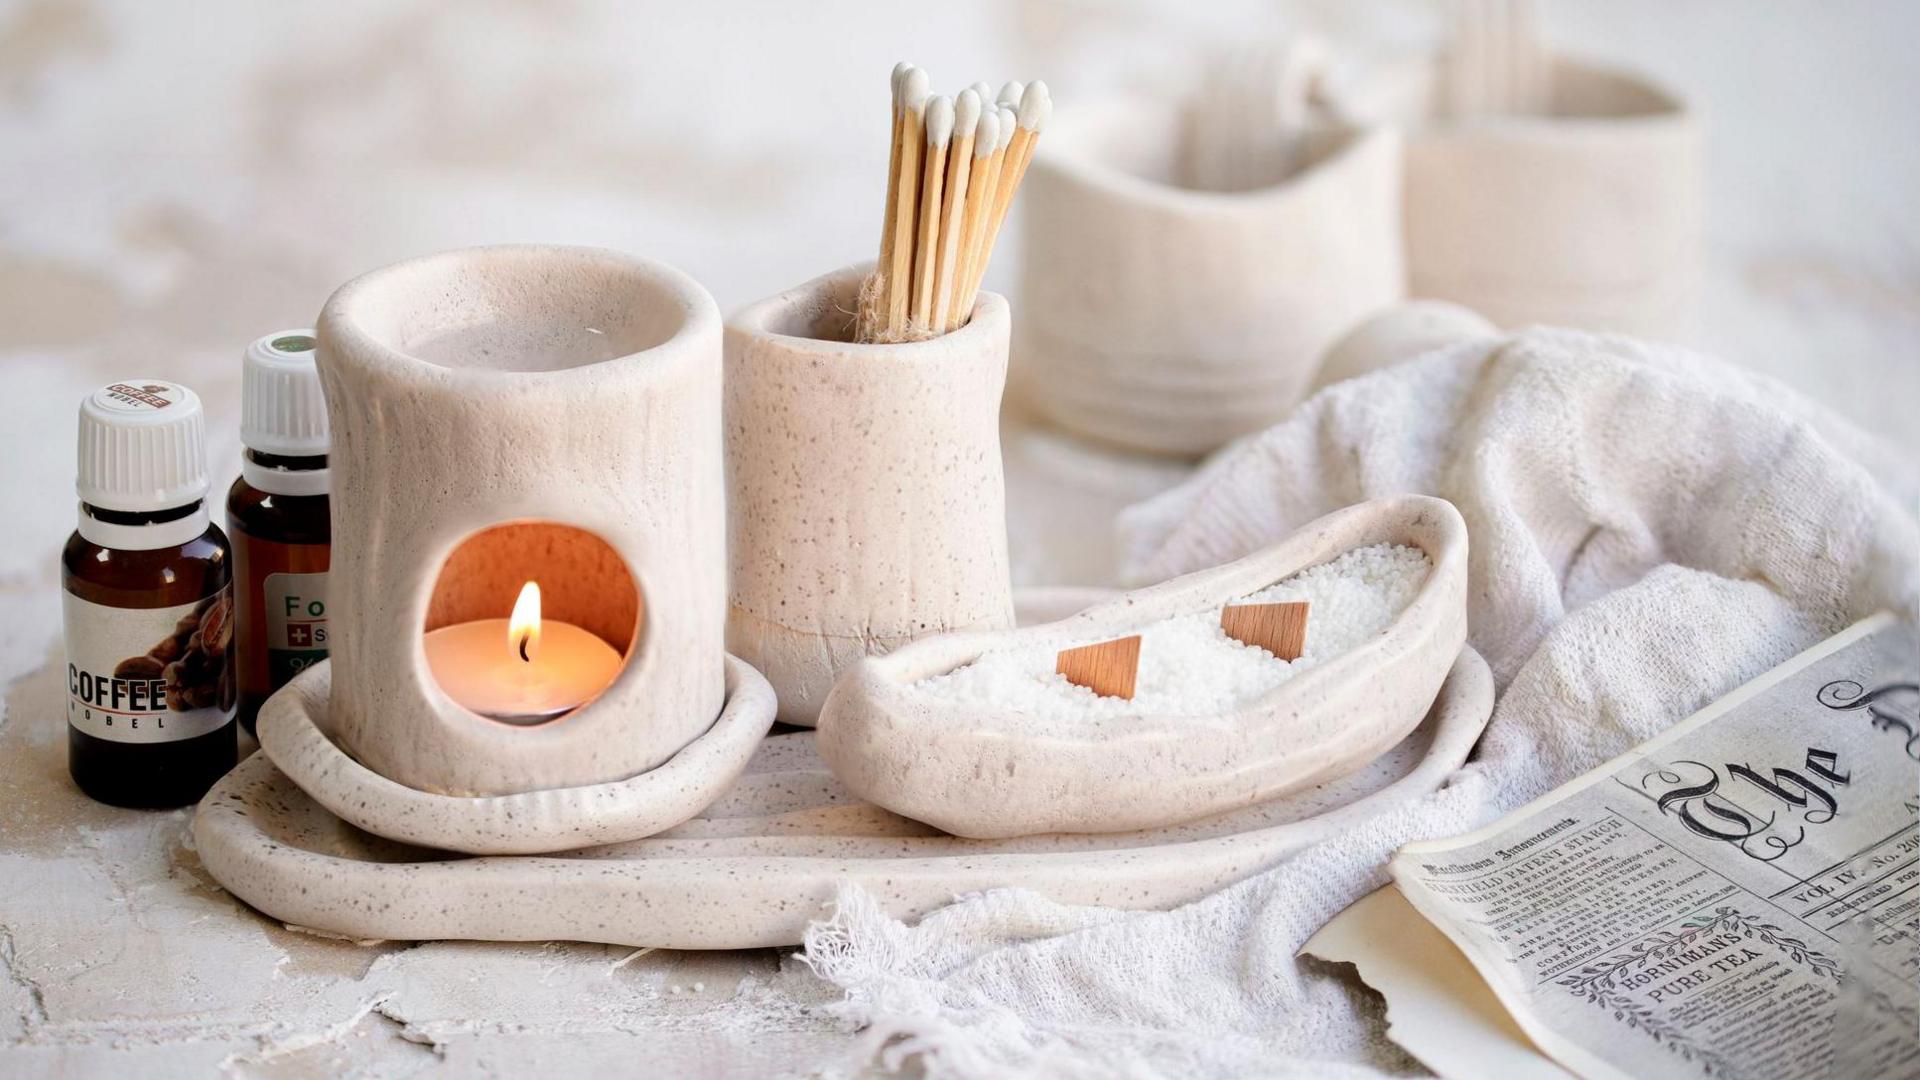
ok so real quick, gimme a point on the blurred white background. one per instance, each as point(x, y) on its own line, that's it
point(177, 179)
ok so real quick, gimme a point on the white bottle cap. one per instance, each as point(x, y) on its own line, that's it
point(143, 446)
point(281, 407)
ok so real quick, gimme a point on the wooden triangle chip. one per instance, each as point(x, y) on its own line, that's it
point(1281, 629)
point(1107, 669)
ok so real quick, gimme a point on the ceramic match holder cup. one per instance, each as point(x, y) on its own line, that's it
point(985, 771)
point(515, 420)
point(1162, 318)
point(866, 502)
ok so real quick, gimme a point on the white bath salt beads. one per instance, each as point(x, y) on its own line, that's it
point(1188, 666)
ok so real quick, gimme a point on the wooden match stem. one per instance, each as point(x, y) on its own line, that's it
point(933, 178)
point(1019, 153)
point(883, 301)
point(959, 164)
point(899, 274)
point(980, 190)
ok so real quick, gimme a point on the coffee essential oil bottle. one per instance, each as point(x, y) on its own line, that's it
point(148, 604)
point(277, 514)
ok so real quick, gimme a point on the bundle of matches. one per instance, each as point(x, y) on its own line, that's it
point(955, 165)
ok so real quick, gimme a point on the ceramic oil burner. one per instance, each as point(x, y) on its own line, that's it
point(866, 503)
point(986, 772)
point(1163, 318)
point(1542, 189)
point(513, 415)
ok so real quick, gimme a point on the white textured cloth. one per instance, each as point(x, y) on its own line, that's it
point(1649, 529)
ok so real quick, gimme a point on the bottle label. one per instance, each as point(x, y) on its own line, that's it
point(296, 623)
point(144, 675)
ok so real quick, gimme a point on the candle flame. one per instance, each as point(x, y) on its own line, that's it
point(523, 629)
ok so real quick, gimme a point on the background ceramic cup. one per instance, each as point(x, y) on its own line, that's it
point(507, 414)
point(1586, 213)
point(866, 503)
point(1161, 318)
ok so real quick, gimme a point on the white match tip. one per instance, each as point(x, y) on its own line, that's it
point(899, 75)
point(986, 137)
point(939, 120)
point(983, 90)
point(1008, 122)
point(966, 113)
point(914, 87)
point(1035, 104)
point(1010, 93)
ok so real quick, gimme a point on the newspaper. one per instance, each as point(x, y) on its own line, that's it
point(1739, 897)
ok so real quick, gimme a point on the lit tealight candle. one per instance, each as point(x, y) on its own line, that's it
point(519, 670)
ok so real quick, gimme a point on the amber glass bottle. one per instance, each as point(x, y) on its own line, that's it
point(148, 604)
point(278, 515)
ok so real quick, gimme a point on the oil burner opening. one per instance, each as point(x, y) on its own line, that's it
point(531, 620)
point(518, 309)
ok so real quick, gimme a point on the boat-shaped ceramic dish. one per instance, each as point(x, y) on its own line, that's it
point(987, 772)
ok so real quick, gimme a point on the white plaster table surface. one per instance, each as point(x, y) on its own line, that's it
point(175, 188)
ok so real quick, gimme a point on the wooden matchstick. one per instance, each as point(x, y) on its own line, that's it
point(933, 175)
point(1107, 668)
point(883, 267)
point(966, 122)
point(1035, 107)
point(1281, 629)
point(989, 191)
point(980, 184)
point(899, 273)
point(1001, 195)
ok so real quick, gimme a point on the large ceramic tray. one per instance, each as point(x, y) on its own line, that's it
point(755, 867)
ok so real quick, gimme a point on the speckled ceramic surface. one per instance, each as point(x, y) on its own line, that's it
point(978, 771)
point(508, 385)
point(866, 504)
point(764, 860)
point(555, 819)
point(1170, 320)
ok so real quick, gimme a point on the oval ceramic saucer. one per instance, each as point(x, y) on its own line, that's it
point(293, 737)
